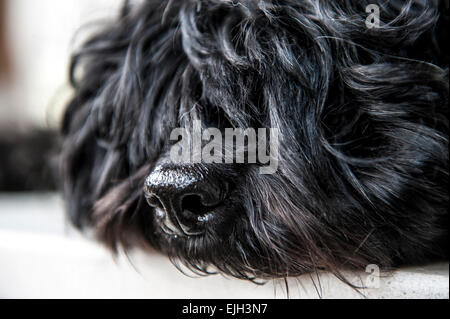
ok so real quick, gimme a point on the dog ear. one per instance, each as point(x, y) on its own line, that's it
point(122, 109)
point(90, 159)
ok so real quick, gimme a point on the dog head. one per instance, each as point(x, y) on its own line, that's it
point(360, 112)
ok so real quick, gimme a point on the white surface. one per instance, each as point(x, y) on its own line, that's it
point(42, 257)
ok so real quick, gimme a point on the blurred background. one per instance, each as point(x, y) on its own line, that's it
point(36, 39)
point(41, 256)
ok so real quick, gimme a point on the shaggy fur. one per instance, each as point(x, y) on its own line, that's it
point(362, 115)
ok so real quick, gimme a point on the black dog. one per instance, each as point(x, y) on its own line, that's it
point(361, 109)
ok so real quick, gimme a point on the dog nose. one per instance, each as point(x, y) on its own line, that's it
point(185, 198)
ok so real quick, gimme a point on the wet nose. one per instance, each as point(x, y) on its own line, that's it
point(185, 198)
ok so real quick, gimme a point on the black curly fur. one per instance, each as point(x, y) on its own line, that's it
point(362, 115)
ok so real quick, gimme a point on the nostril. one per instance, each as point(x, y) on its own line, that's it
point(194, 204)
point(154, 201)
point(185, 198)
